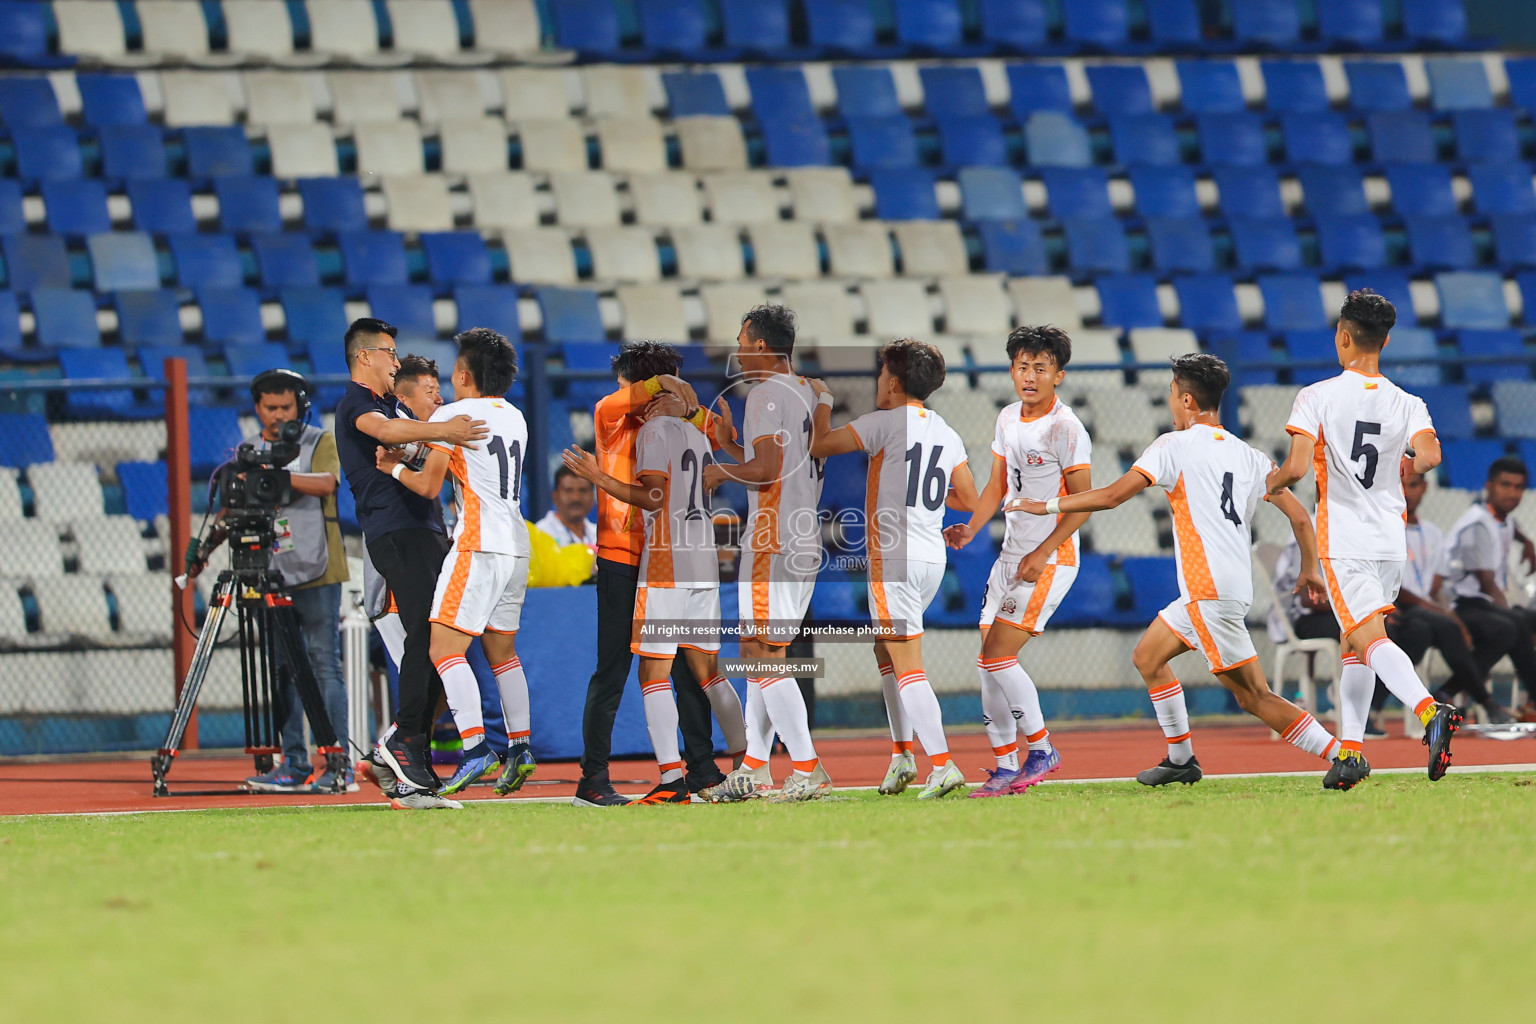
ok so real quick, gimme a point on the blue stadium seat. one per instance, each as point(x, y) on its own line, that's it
point(162, 207)
point(213, 434)
point(1154, 583)
point(286, 261)
point(1509, 344)
point(1350, 22)
point(24, 34)
point(1321, 137)
point(1013, 247)
point(13, 218)
point(570, 315)
point(1165, 191)
point(77, 207)
point(38, 261)
point(110, 99)
point(1458, 83)
point(1174, 24)
point(1514, 239)
point(796, 143)
point(24, 437)
point(1502, 188)
point(98, 364)
point(10, 328)
point(1145, 139)
point(1077, 191)
point(152, 361)
point(248, 206)
point(456, 257)
point(882, 142)
point(1098, 246)
point(1521, 72)
point(904, 193)
point(146, 487)
point(1422, 190)
point(314, 315)
point(865, 90)
point(972, 142)
point(408, 307)
point(28, 102)
point(1102, 24)
point(218, 152)
point(1234, 139)
point(588, 355)
point(1393, 284)
point(1292, 302)
point(1515, 403)
point(1248, 191)
point(1294, 87)
point(1377, 85)
point(1181, 244)
point(66, 318)
point(147, 318)
point(1129, 300)
point(1351, 243)
point(1207, 303)
point(756, 26)
point(589, 26)
point(1210, 87)
point(123, 259)
point(1434, 21)
point(249, 360)
point(373, 257)
point(1120, 89)
point(1401, 137)
point(1333, 191)
point(841, 26)
point(1035, 87)
point(132, 152)
point(1486, 135)
point(231, 316)
point(1018, 26)
point(489, 305)
point(954, 91)
point(1056, 140)
point(333, 205)
point(1269, 23)
point(1407, 343)
point(1314, 351)
point(1091, 601)
point(674, 28)
point(991, 193)
point(1449, 408)
point(46, 154)
point(206, 261)
point(1466, 462)
point(1265, 243)
point(328, 358)
point(1440, 242)
point(780, 93)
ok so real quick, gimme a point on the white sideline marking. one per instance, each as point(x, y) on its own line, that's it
point(1470, 769)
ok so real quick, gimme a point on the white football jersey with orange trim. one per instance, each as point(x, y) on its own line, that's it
point(1214, 482)
point(782, 515)
point(679, 536)
point(1360, 425)
point(488, 479)
point(1038, 454)
point(913, 453)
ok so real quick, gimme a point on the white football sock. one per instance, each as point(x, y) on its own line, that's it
point(786, 709)
point(513, 684)
point(759, 726)
point(727, 708)
point(997, 716)
point(463, 698)
point(1023, 700)
point(661, 723)
point(1357, 685)
point(1395, 670)
point(1306, 733)
point(922, 707)
point(1173, 715)
point(895, 714)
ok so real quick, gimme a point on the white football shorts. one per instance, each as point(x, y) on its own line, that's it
point(1359, 588)
point(480, 591)
point(899, 604)
point(1217, 629)
point(772, 597)
point(696, 608)
point(1028, 606)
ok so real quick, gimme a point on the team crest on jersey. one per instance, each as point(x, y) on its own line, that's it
point(1370, 386)
point(1009, 606)
point(1034, 458)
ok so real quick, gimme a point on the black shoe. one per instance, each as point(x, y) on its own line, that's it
point(703, 777)
point(1348, 770)
point(411, 759)
point(1189, 772)
point(1374, 731)
point(1437, 737)
point(675, 792)
point(597, 791)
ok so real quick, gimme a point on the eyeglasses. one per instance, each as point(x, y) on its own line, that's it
point(393, 353)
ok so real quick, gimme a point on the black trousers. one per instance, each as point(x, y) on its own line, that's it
point(616, 584)
point(409, 561)
point(1417, 629)
point(1499, 631)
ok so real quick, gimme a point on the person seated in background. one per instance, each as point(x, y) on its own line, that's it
point(573, 500)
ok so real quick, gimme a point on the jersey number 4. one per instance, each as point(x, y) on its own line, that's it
point(1228, 503)
point(510, 462)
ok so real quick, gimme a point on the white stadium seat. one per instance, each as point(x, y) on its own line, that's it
point(64, 492)
point(534, 92)
point(13, 617)
point(552, 144)
point(823, 311)
point(176, 29)
point(506, 27)
point(29, 549)
point(10, 495)
point(1132, 530)
point(278, 97)
point(822, 195)
point(343, 28)
point(631, 145)
point(1160, 344)
point(711, 143)
point(1444, 505)
point(504, 200)
point(302, 151)
point(724, 306)
point(930, 248)
point(418, 203)
point(859, 250)
point(1045, 300)
point(708, 252)
point(427, 28)
point(1095, 346)
point(974, 304)
point(194, 98)
point(143, 604)
point(616, 90)
point(112, 544)
point(255, 28)
point(1122, 416)
point(784, 249)
point(1265, 410)
point(584, 199)
point(653, 312)
point(389, 148)
point(89, 28)
point(540, 256)
point(1104, 466)
point(125, 442)
point(474, 145)
point(624, 254)
point(364, 97)
point(72, 605)
point(972, 417)
point(745, 197)
point(897, 309)
point(667, 199)
point(448, 96)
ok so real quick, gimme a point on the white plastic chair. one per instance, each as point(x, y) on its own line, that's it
point(1293, 646)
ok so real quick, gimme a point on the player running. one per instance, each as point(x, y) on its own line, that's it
point(480, 591)
point(780, 555)
point(1040, 450)
point(679, 581)
point(1355, 429)
point(917, 464)
point(1214, 481)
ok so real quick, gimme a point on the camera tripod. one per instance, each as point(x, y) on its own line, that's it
point(271, 649)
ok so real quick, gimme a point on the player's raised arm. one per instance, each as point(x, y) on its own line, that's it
point(584, 464)
point(826, 441)
point(991, 496)
point(717, 426)
point(962, 495)
point(762, 468)
point(460, 430)
point(1308, 578)
point(1295, 465)
point(1098, 499)
point(428, 481)
point(1425, 451)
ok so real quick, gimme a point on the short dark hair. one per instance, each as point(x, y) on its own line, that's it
point(773, 325)
point(271, 383)
point(918, 365)
point(1203, 377)
point(414, 367)
point(561, 473)
point(1370, 317)
point(642, 360)
point(1032, 339)
point(490, 359)
point(1512, 464)
point(361, 328)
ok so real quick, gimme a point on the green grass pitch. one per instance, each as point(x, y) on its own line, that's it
point(1234, 900)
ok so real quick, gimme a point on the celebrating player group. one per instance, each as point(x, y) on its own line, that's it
point(661, 456)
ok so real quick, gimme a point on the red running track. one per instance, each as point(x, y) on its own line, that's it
point(1088, 752)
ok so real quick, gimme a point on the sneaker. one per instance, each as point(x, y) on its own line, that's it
point(1374, 731)
point(942, 782)
point(416, 800)
point(1037, 766)
point(376, 770)
point(741, 784)
point(323, 780)
point(901, 774)
point(519, 766)
point(1188, 773)
point(1437, 737)
point(1348, 770)
point(408, 759)
point(707, 776)
point(675, 792)
point(798, 787)
point(478, 760)
point(597, 791)
point(999, 783)
point(282, 779)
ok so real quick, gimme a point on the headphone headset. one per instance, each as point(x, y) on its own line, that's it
point(269, 381)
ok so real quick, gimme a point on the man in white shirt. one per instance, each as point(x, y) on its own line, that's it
point(572, 502)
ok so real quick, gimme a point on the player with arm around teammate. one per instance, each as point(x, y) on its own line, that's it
point(917, 465)
point(1214, 482)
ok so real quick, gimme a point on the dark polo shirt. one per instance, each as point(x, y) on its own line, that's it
point(383, 504)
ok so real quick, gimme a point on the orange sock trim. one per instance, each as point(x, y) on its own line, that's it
point(1037, 737)
point(515, 736)
point(886, 668)
point(806, 766)
point(1296, 728)
point(1350, 659)
point(472, 733)
point(898, 747)
point(1354, 745)
point(713, 682)
point(1333, 748)
point(1178, 739)
point(907, 680)
point(941, 759)
point(751, 762)
point(1372, 649)
point(505, 666)
point(449, 662)
point(1423, 705)
point(1004, 751)
point(670, 765)
point(1173, 689)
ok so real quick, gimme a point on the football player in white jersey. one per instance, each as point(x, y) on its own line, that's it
point(780, 553)
point(1214, 482)
point(480, 591)
point(917, 466)
point(1353, 431)
point(1040, 450)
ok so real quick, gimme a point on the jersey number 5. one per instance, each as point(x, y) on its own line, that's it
point(504, 455)
point(1364, 450)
